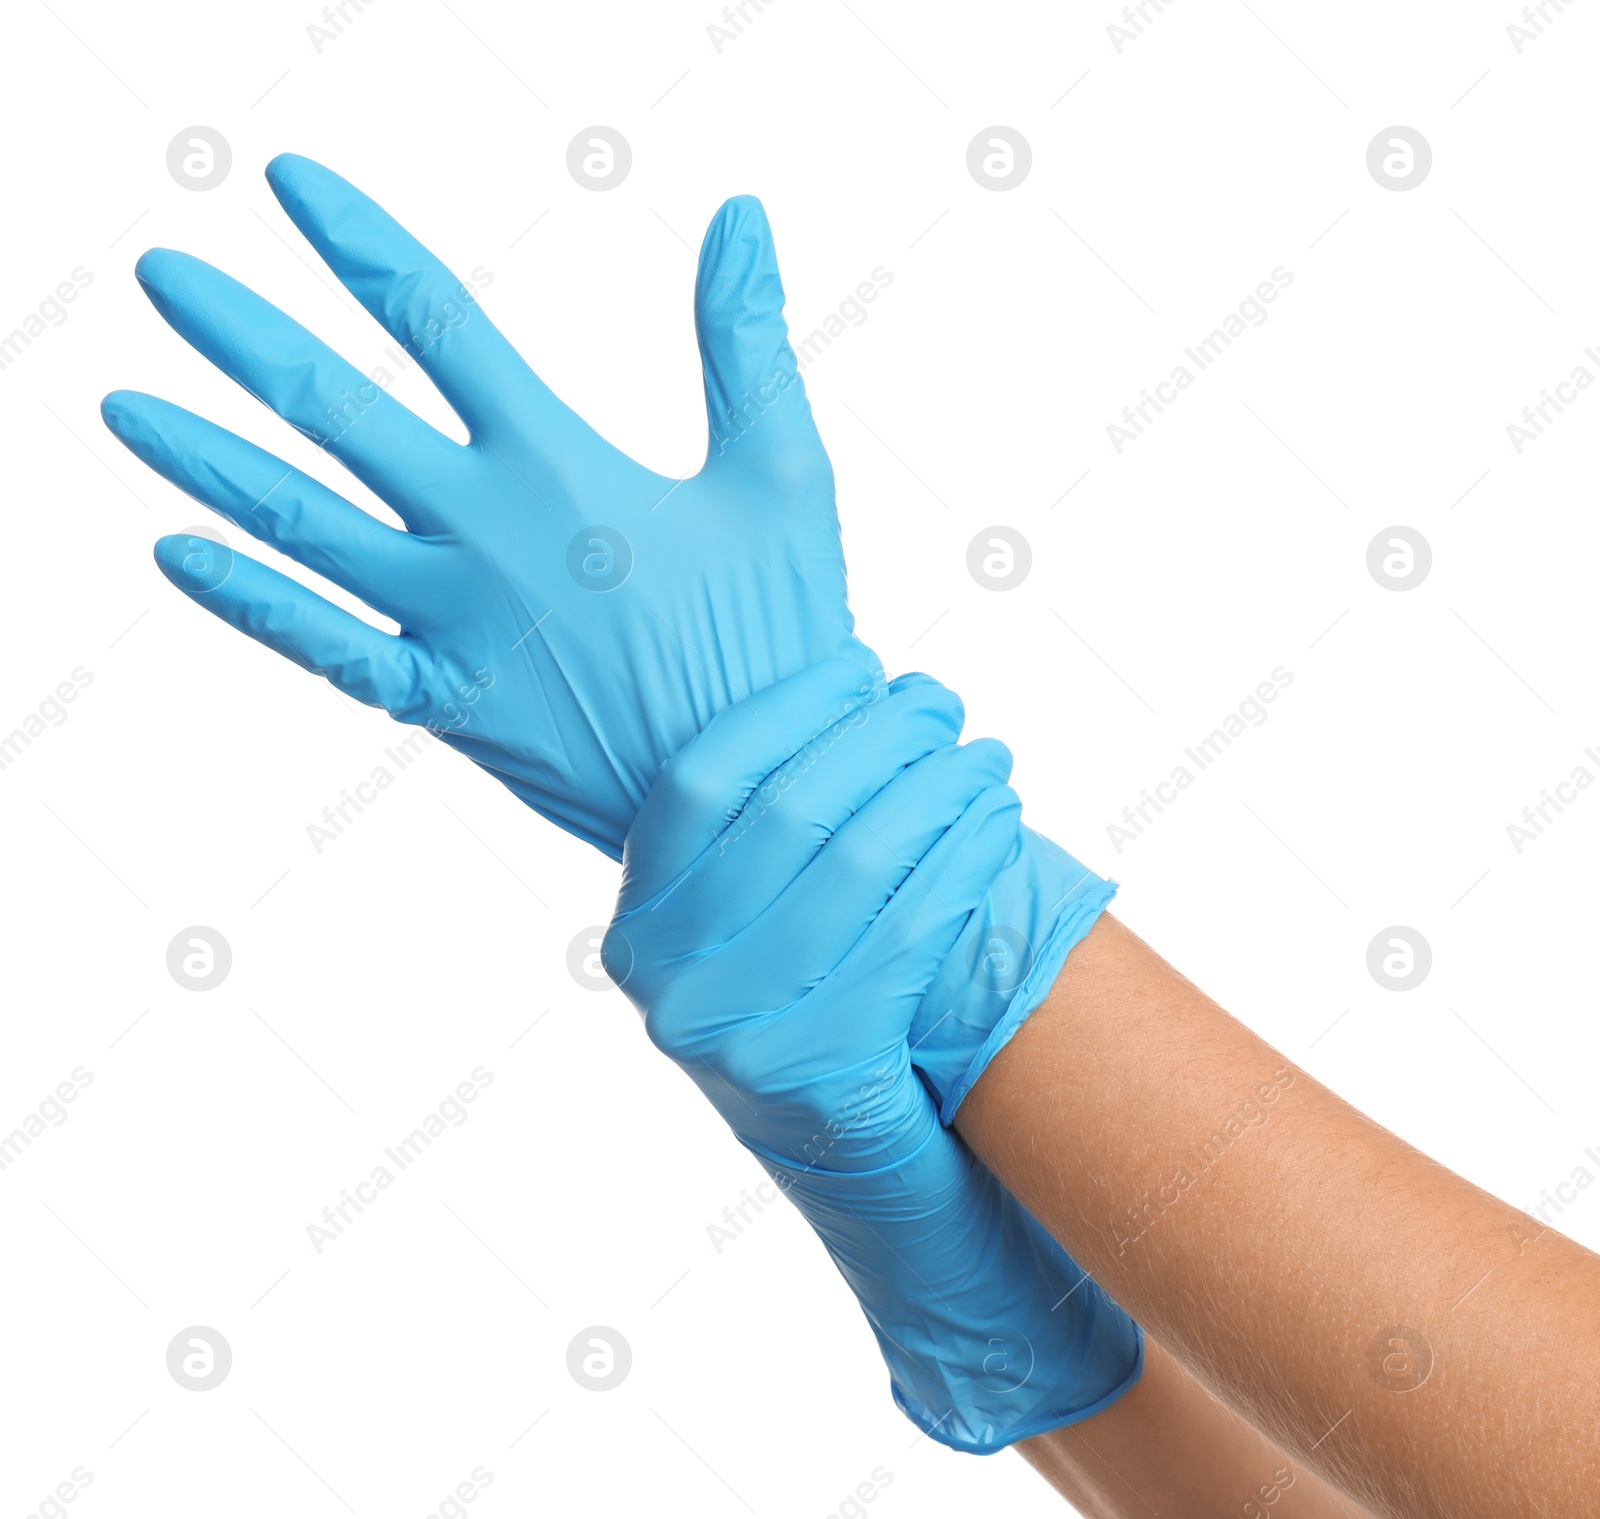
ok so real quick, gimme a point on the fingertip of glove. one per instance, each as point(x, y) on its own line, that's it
point(852, 682)
point(146, 270)
point(999, 826)
point(167, 551)
point(296, 180)
point(159, 271)
point(282, 168)
point(154, 262)
point(738, 259)
point(119, 410)
point(934, 698)
point(992, 819)
point(998, 801)
point(126, 414)
point(990, 757)
point(1008, 804)
point(176, 558)
point(869, 665)
point(742, 215)
point(285, 173)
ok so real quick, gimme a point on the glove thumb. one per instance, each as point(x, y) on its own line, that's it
point(755, 399)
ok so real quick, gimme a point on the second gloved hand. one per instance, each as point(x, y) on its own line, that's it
point(568, 619)
point(792, 884)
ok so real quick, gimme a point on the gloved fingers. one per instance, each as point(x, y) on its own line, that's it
point(824, 913)
point(272, 501)
point(895, 960)
point(700, 790)
point(374, 667)
point(426, 309)
point(756, 402)
point(794, 811)
point(314, 389)
point(867, 860)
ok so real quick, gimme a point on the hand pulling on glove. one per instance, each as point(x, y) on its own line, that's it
point(568, 619)
point(793, 882)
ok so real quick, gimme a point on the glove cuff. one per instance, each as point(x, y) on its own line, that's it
point(1037, 910)
point(990, 1330)
point(1041, 1423)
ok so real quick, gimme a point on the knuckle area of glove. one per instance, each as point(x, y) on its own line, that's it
point(698, 1027)
point(860, 861)
point(693, 787)
point(819, 1121)
point(796, 809)
point(408, 692)
point(442, 694)
point(920, 710)
point(620, 958)
point(689, 1033)
point(664, 1034)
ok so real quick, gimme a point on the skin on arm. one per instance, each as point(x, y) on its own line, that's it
point(1169, 1448)
point(1423, 1346)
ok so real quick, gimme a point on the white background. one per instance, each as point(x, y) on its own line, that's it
point(1167, 181)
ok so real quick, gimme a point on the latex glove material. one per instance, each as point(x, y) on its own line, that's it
point(568, 618)
point(788, 894)
point(1039, 907)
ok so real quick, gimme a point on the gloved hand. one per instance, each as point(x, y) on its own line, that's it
point(1038, 908)
point(795, 878)
point(569, 619)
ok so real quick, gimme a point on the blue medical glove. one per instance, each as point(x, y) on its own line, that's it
point(789, 891)
point(1038, 908)
point(568, 618)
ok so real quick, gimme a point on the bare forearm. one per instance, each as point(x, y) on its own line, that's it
point(1425, 1347)
point(1169, 1447)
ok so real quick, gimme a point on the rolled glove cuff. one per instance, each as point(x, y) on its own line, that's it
point(1039, 908)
